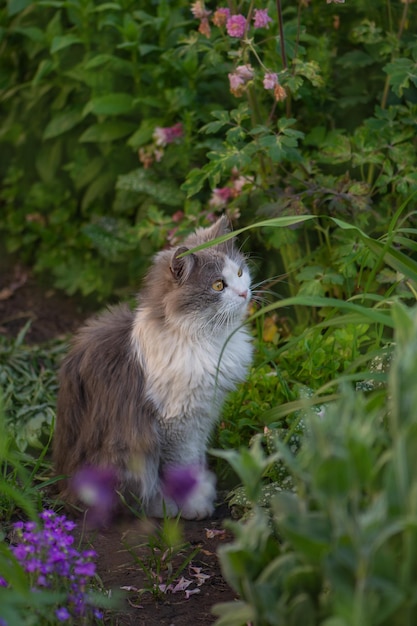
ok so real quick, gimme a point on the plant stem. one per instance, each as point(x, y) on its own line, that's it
point(281, 35)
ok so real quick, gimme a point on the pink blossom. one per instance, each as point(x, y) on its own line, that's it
point(169, 134)
point(261, 18)
point(220, 197)
point(236, 26)
point(221, 16)
point(204, 27)
point(199, 10)
point(238, 185)
point(270, 80)
point(239, 78)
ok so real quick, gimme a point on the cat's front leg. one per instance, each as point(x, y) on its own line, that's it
point(160, 506)
point(184, 468)
point(200, 503)
point(197, 503)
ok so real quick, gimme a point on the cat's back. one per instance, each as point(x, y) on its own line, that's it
point(99, 380)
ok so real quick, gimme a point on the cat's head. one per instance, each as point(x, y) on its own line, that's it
point(209, 288)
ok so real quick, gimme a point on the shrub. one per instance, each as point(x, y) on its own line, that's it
point(308, 109)
point(338, 550)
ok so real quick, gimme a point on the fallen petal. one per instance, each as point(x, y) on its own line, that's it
point(191, 592)
point(211, 533)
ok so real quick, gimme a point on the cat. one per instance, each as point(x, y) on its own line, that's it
point(140, 391)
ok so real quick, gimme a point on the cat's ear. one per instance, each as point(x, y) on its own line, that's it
point(181, 266)
point(219, 228)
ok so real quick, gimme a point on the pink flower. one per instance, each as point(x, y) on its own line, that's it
point(221, 16)
point(261, 18)
point(199, 10)
point(164, 136)
point(204, 28)
point(220, 197)
point(236, 26)
point(270, 80)
point(239, 78)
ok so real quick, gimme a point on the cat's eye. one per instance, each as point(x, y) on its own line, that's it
point(218, 285)
point(239, 272)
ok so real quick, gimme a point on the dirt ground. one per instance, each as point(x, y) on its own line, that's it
point(200, 585)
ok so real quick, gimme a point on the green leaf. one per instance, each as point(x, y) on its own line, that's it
point(16, 6)
point(401, 72)
point(109, 130)
point(31, 32)
point(61, 123)
point(111, 104)
point(106, 6)
point(143, 181)
point(64, 41)
point(143, 134)
point(234, 614)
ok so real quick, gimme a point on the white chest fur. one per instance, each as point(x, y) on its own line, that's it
point(189, 377)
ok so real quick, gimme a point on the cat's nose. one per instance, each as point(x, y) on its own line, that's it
point(243, 294)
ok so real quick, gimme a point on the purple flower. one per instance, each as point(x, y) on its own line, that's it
point(47, 555)
point(62, 614)
point(261, 18)
point(96, 488)
point(179, 482)
point(236, 26)
point(85, 568)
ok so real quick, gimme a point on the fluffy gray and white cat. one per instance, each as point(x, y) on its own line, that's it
point(141, 390)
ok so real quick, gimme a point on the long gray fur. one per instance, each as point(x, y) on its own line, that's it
point(141, 390)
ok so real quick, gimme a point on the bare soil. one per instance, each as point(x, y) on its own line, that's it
point(201, 584)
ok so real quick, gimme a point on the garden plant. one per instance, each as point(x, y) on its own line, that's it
point(125, 125)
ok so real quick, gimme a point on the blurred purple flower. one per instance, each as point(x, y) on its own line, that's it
point(96, 489)
point(179, 482)
point(62, 614)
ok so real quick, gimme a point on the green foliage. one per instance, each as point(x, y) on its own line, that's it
point(168, 555)
point(91, 184)
point(121, 131)
point(340, 549)
point(28, 380)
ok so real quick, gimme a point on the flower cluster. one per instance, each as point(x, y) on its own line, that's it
point(237, 26)
point(162, 136)
point(47, 555)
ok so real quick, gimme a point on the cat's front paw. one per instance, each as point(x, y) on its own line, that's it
point(200, 503)
point(162, 507)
